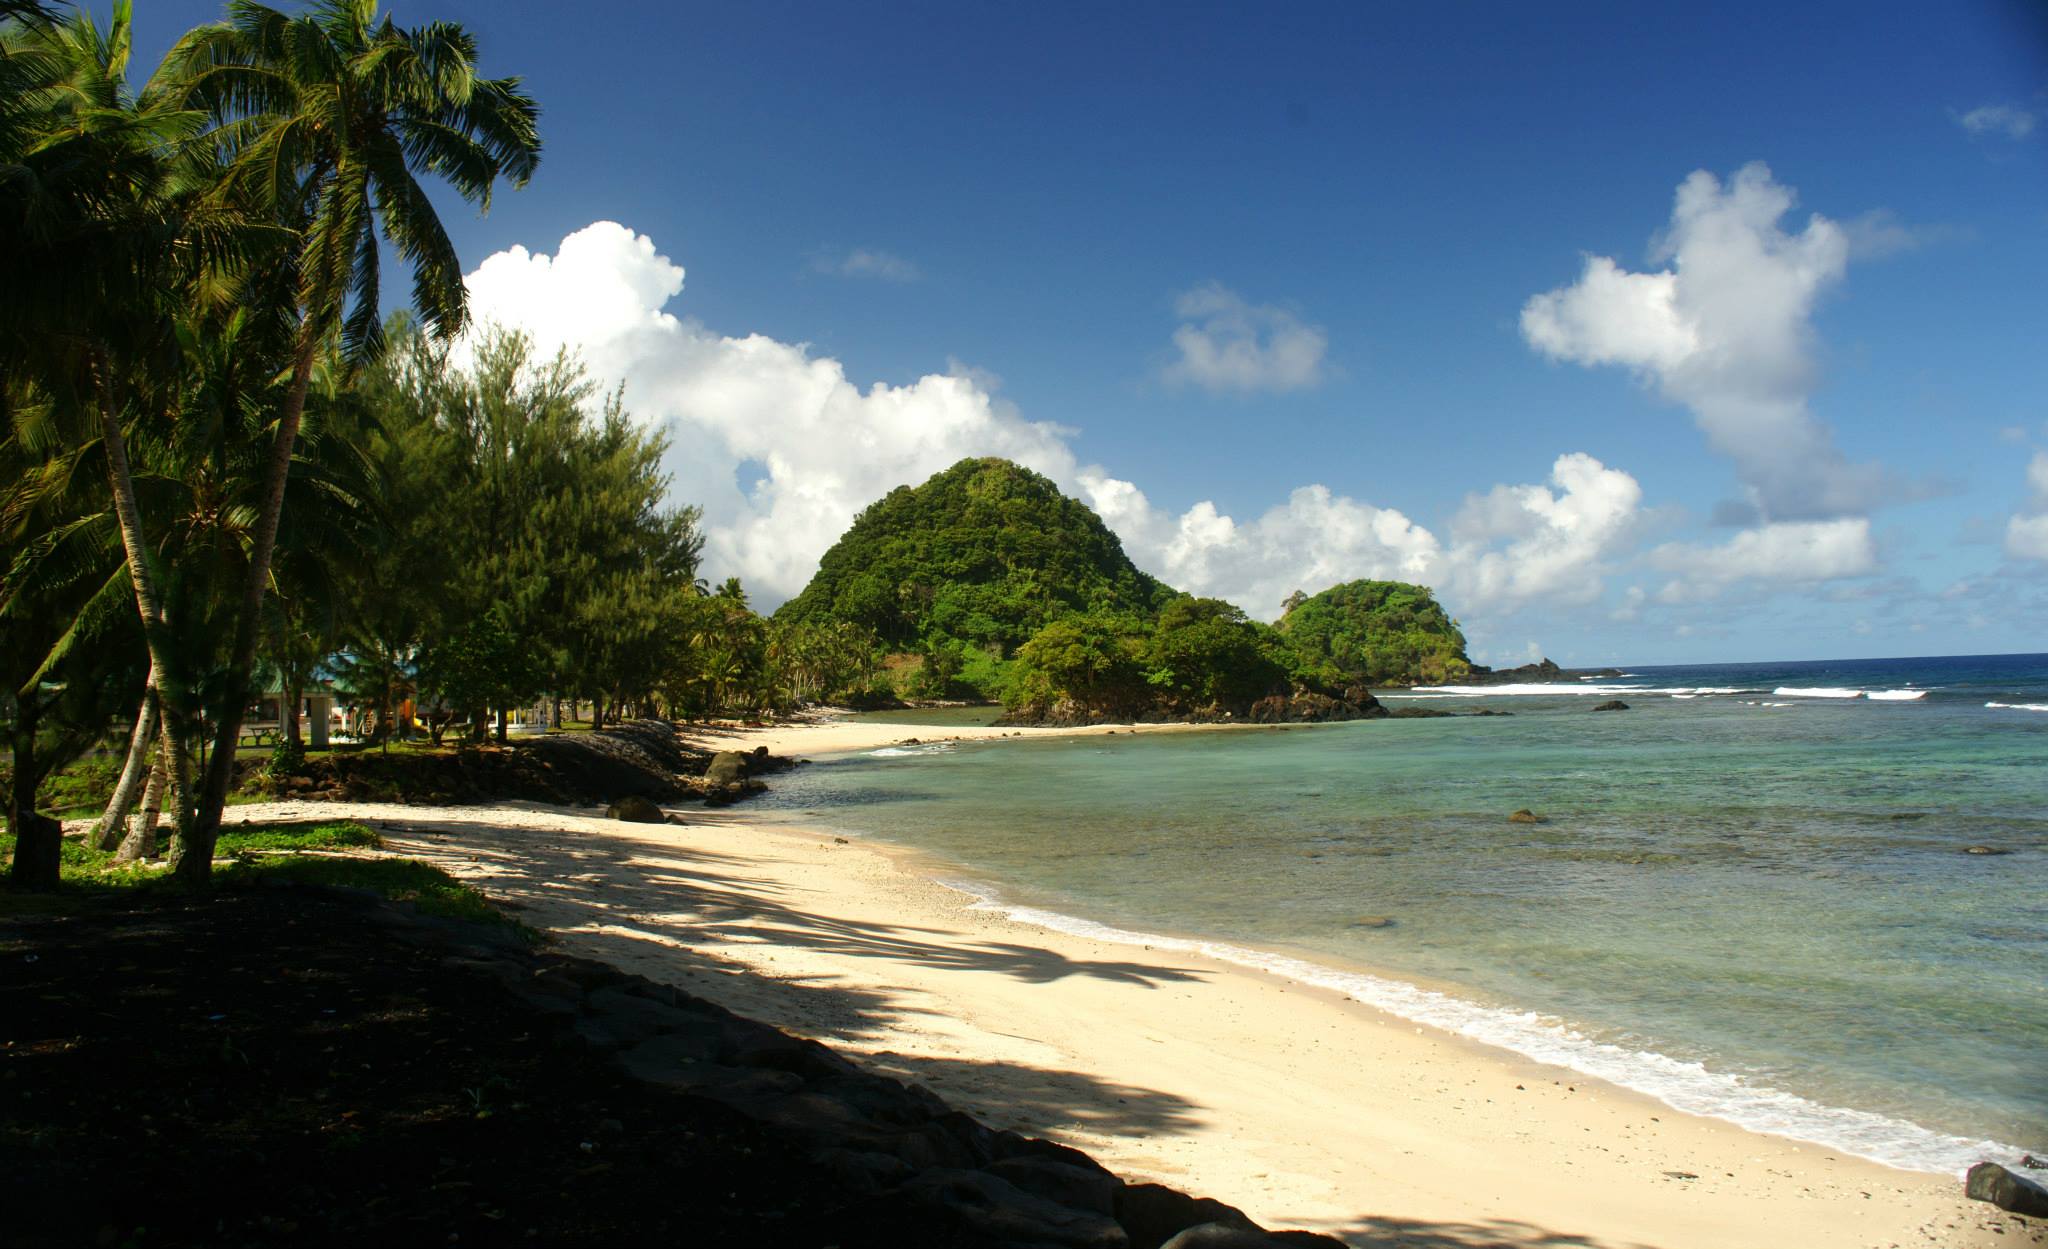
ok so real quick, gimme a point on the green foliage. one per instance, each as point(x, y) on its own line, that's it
point(482, 664)
point(1376, 632)
point(1098, 660)
point(286, 758)
point(990, 583)
point(343, 835)
point(984, 554)
point(276, 856)
point(1205, 652)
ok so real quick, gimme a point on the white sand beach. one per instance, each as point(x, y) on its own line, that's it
point(1304, 1108)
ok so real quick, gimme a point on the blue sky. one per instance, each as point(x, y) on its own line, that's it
point(1234, 255)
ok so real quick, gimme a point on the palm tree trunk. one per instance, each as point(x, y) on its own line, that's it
point(140, 843)
point(291, 693)
point(170, 694)
point(106, 834)
point(178, 799)
point(197, 860)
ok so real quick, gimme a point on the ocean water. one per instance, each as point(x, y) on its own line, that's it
point(1751, 897)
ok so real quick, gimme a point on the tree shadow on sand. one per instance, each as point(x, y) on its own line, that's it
point(1378, 1231)
point(631, 900)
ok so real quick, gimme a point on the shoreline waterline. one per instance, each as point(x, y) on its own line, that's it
point(1298, 1104)
point(1687, 1087)
point(1718, 1074)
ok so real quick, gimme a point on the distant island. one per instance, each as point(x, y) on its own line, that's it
point(988, 584)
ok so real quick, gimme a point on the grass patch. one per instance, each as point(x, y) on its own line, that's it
point(82, 788)
point(264, 856)
point(344, 835)
point(428, 888)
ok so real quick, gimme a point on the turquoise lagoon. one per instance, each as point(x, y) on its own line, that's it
point(1752, 898)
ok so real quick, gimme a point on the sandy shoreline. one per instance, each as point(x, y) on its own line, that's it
point(830, 734)
point(1303, 1107)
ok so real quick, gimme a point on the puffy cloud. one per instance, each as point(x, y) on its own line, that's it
point(2026, 537)
point(825, 447)
point(1510, 546)
point(863, 262)
point(1311, 542)
point(1556, 541)
point(1785, 551)
point(815, 448)
point(2026, 534)
point(1725, 329)
point(1228, 345)
point(2007, 120)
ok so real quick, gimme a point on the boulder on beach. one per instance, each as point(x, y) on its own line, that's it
point(1612, 704)
point(727, 767)
point(637, 810)
point(1526, 816)
point(1987, 1181)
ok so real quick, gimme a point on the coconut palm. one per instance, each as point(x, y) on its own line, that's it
point(93, 227)
point(325, 119)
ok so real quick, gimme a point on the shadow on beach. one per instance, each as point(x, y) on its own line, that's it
point(1378, 1230)
point(641, 901)
point(633, 903)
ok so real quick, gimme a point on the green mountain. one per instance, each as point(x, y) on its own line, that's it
point(986, 553)
point(1376, 632)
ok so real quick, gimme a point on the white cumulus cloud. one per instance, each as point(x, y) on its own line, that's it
point(1785, 551)
point(1310, 542)
point(814, 448)
point(2008, 120)
point(1555, 541)
point(827, 447)
point(1726, 329)
point(2026, 534)
point(1227, 345)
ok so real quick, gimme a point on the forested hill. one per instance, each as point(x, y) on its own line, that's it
point(1376, 631)
point(986, 553)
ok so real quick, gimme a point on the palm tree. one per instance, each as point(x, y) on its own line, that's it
point(95, 228)
point(325, 118)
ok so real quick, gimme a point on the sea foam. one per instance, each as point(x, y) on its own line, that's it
point(2020, 706)
point(1895, 696)
point(1608, 690)
point(1686, 1086)
point(899, 752)
point(1815, 691)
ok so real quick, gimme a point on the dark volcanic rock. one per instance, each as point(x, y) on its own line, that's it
point(726, 768)
point(636, 810)
point(1543, 670)
point(1303, 708)
point(1224, 1236)
point(1315, 708)
point(643, 758)
point(1612, 704)
point(1153, 1214)
point(1987, 1181)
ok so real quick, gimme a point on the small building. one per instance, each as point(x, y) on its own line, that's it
point(264, 722)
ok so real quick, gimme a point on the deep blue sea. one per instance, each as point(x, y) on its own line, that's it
point(1751, 897)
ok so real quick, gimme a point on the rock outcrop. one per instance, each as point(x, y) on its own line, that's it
point(1987, 1181)
point(636, 810)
